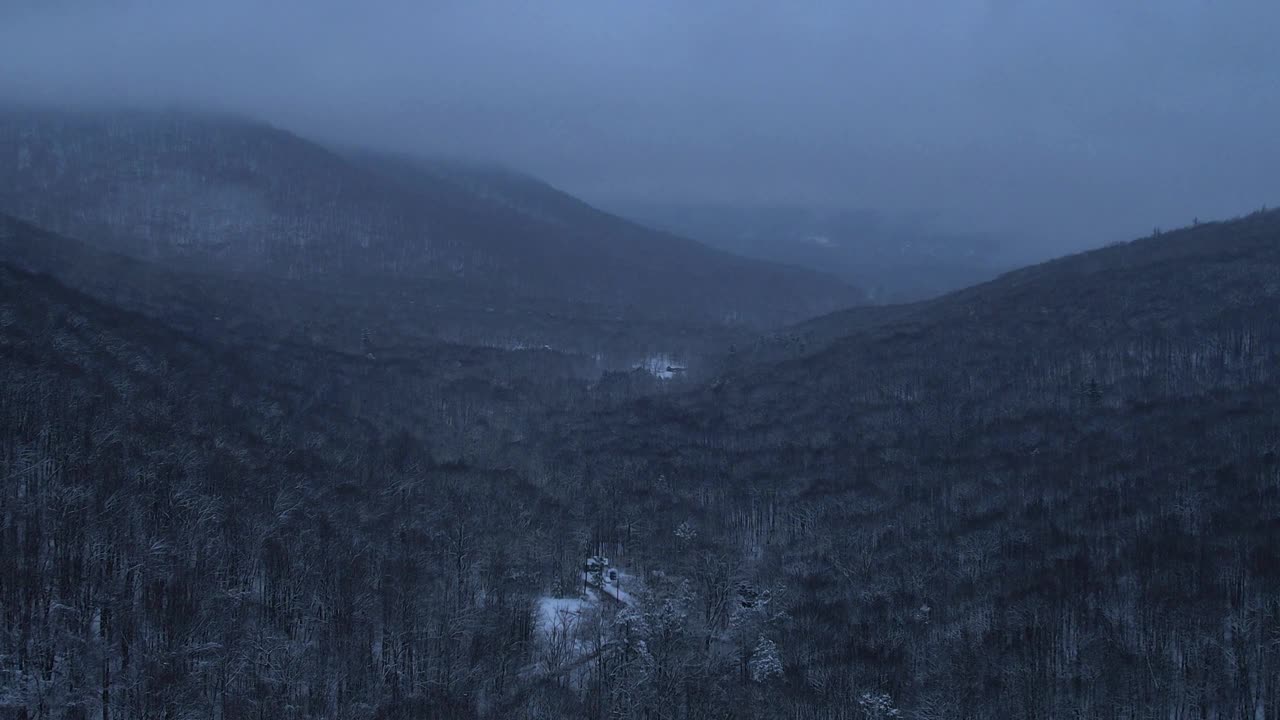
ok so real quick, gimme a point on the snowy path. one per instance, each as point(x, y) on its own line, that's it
point(618, 594)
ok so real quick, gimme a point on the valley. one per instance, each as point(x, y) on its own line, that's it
point(295, 432)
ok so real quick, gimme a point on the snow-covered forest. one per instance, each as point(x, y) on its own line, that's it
point(658, 360)
point(1008, 502)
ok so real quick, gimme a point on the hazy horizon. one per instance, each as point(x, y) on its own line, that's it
point(1060, 127)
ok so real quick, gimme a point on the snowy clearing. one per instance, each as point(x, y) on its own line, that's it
point(661, 366)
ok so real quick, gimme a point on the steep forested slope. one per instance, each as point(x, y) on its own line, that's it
point(194, 528)
point(396, 316)
point(206, 190)
point(1160, 281)
point(1054, 494)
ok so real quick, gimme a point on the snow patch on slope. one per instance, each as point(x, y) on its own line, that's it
point(662, 366)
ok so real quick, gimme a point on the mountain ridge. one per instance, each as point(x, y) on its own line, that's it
point(1166, 248)
point(896, 257)
point(190, 188)
point(403, 313)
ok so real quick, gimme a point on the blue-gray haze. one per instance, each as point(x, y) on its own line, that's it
point(1064, 123)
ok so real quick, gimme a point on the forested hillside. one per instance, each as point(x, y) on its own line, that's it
point(190, 529)
point(211, 191)
point(1056, 494)
point(403, 316)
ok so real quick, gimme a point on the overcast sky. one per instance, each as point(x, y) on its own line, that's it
point(1068, 122)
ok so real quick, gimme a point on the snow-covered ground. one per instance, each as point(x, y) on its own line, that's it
point(572, 631)
point(515, 345)
point(661, 366)
point(561, 615)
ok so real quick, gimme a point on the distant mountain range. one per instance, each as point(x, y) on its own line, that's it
point(226, 193)
point(896, 258)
